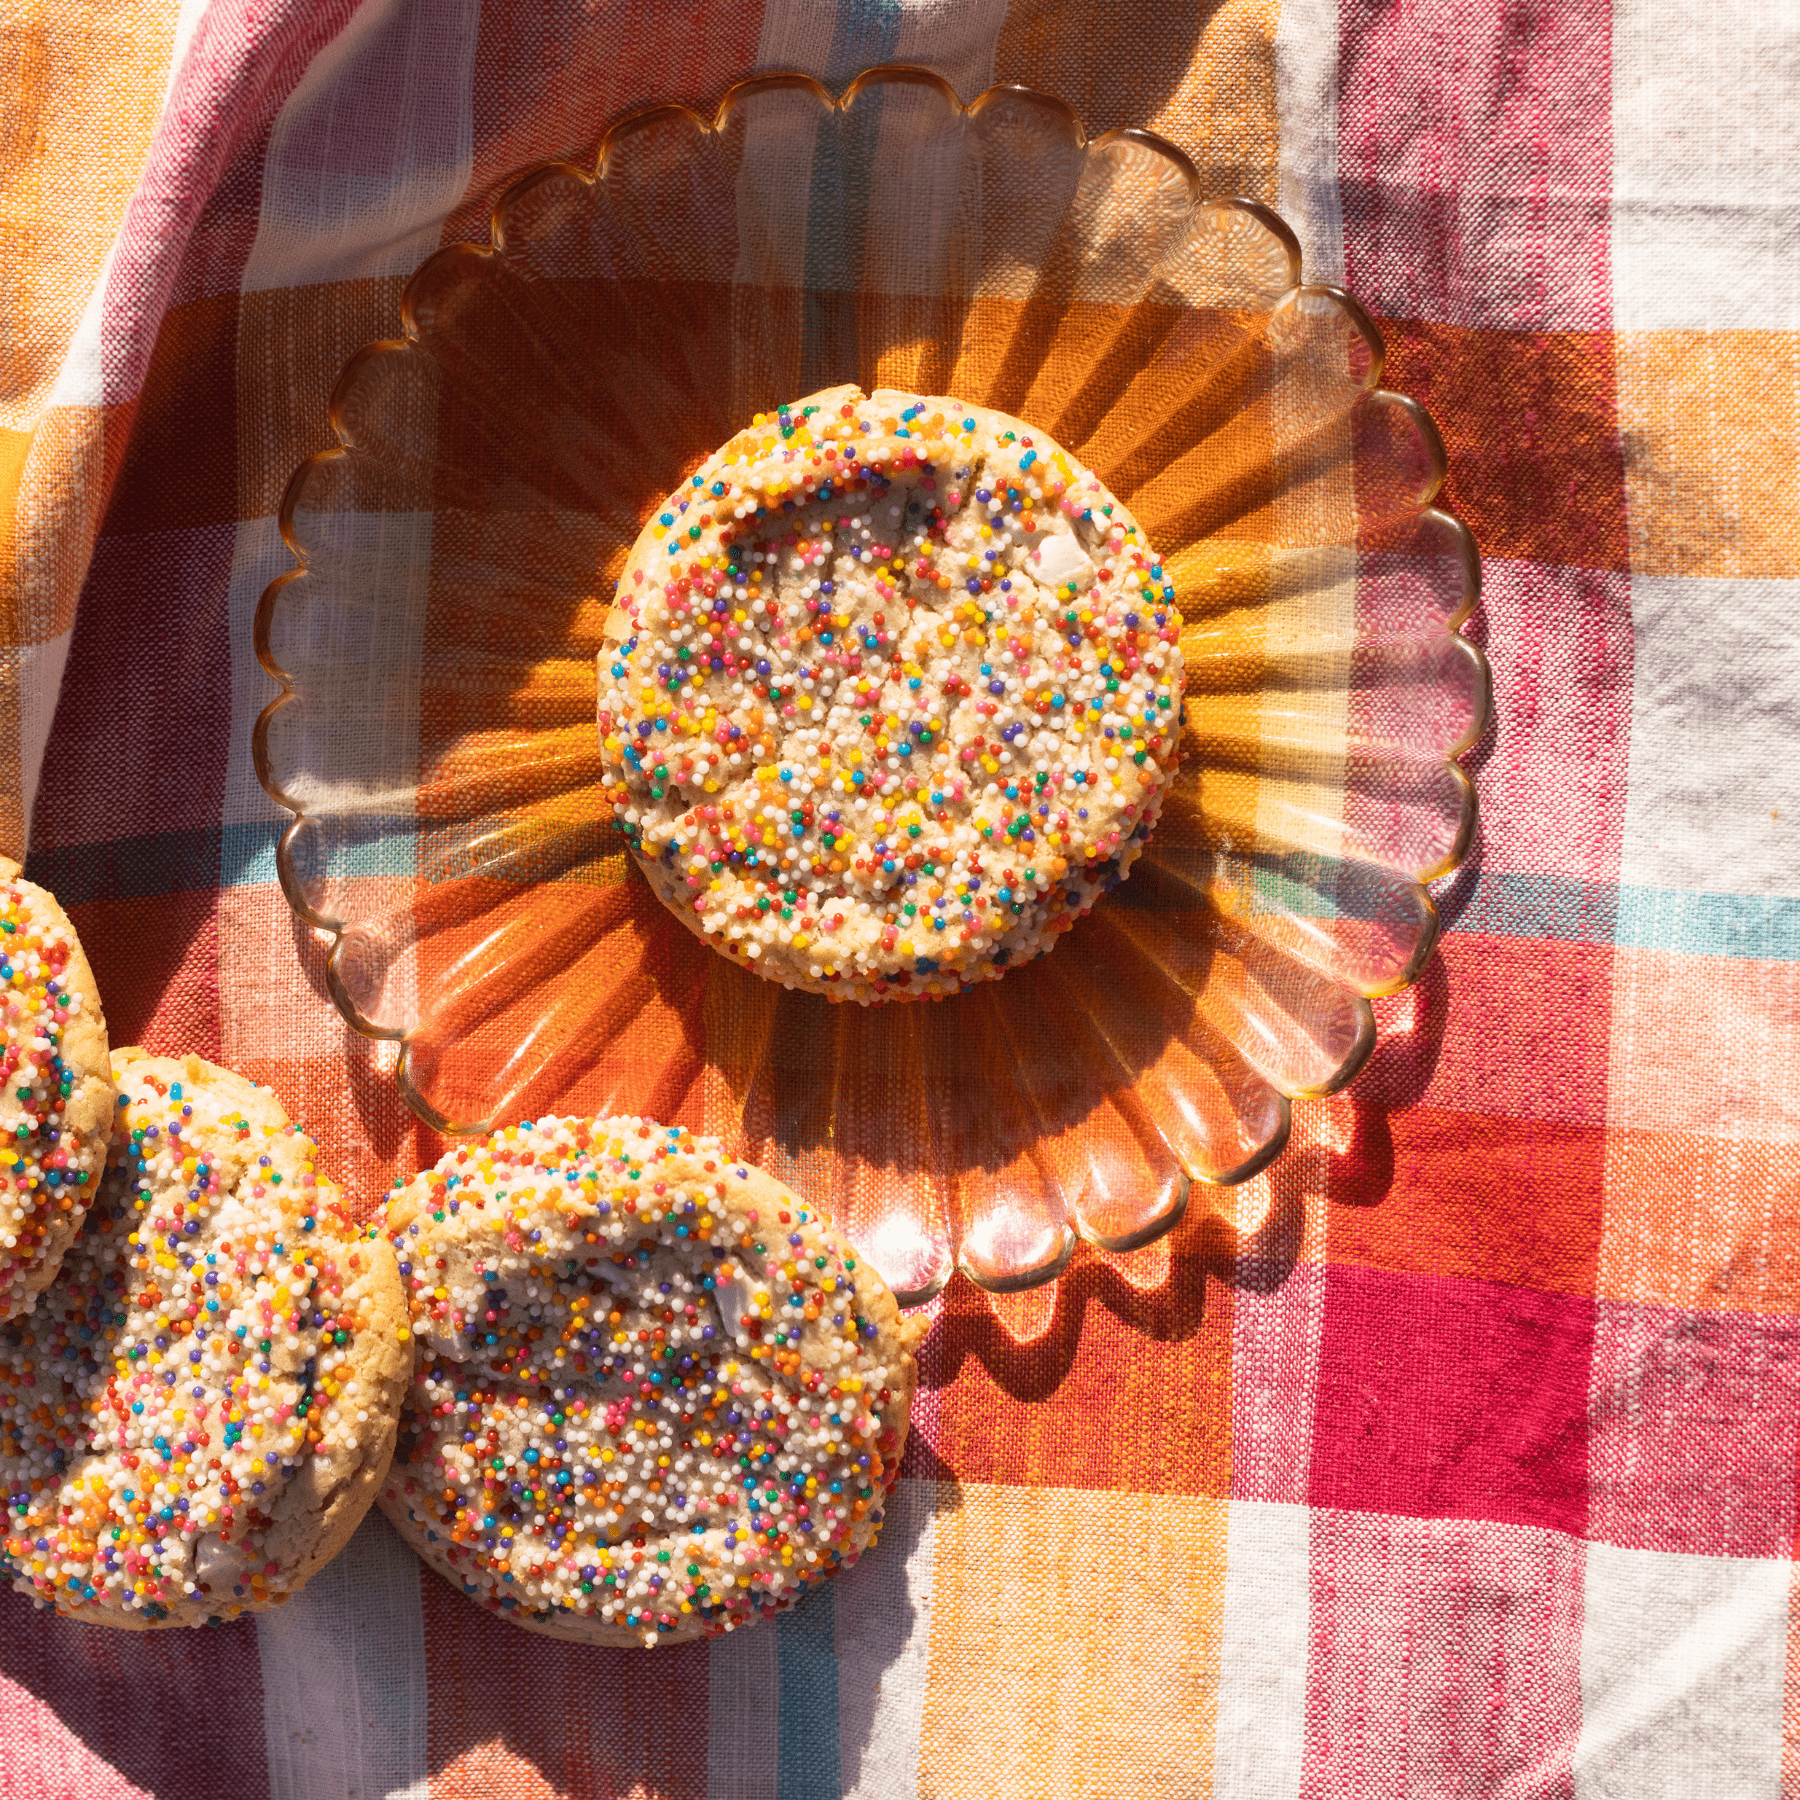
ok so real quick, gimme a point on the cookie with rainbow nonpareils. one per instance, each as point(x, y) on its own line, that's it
point(892, 694)
point(56, 1088)
point(657, 1396)
point(197, 1413)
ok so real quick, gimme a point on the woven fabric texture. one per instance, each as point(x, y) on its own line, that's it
point(1482, 1481)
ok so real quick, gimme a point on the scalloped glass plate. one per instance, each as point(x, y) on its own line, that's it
point(435, 739)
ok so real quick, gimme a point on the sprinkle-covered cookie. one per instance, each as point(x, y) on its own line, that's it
point(56, 1089)
point(893, 694)
point(198, 1412)
point(657, 1395)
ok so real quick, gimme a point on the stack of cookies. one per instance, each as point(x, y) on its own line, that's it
point(640, 1391)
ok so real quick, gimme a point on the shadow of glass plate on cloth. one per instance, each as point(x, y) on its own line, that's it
point(435, 734)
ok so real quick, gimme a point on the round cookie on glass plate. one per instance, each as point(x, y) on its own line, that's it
point(657, 1396)
point(892, 694)
point(56, 1088)
point(198, 1412)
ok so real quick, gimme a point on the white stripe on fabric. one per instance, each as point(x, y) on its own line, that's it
point(1700, 685)
point(743, 1714)
point(348, 752)
point(1263, 1655)
point(343, 1677)
point(958, 38)
point(797, 34)
point(883, 1645)
point(1306, 90)
point(372, 149)
point(257, 556)
point(352, 636)
point(79, 380)
point(955, 37)
point(1706, 166)
point(1682, 1665)
point(833, 45)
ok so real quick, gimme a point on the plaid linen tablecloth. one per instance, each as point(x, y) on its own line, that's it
point(1493, 1494)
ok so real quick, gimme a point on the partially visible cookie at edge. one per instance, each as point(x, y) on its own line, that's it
point(657, 1395)
point(198, 1412)
point(56, 1088)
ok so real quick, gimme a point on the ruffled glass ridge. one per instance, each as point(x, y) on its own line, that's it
point(435, 735)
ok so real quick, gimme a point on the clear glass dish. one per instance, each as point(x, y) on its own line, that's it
point(435, 735)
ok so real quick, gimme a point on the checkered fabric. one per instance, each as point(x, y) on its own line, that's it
point(1478, 1479)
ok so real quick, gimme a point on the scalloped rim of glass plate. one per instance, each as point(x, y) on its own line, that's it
point(912, 75)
